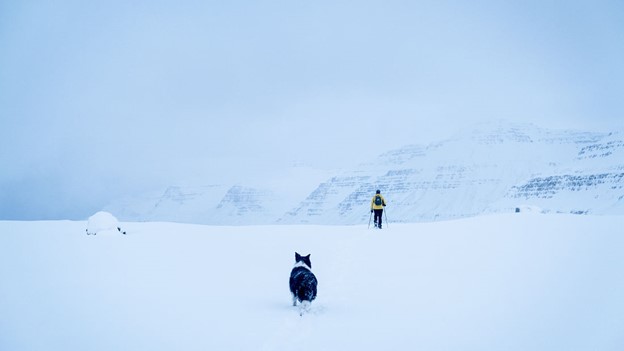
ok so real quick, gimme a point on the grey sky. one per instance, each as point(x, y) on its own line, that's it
point(102, 98)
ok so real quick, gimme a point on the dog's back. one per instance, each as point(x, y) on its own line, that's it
point(302, 281)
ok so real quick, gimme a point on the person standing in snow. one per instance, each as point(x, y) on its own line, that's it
point(377, 206)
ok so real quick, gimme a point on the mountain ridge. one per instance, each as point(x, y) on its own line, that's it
point(493, 168)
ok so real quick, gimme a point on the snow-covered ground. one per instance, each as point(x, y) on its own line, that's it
point(505, 282)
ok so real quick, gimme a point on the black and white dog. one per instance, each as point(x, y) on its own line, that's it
point(303, 282)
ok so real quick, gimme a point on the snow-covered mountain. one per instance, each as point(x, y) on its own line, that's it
point(222, 204)
point(489, 169)
point(493, 168)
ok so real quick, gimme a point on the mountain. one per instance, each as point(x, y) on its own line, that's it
point(222, 204)
point(493, 168)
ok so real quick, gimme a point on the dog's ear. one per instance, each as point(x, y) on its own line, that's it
point(297, 257)
point(306, 260)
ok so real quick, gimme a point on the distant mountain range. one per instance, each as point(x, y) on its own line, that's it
point(492, 168)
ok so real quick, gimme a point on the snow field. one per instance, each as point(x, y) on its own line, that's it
point(505, 282)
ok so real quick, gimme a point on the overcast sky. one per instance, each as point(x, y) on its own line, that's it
point(102, 98)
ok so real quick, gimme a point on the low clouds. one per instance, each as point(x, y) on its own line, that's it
point(98, 100)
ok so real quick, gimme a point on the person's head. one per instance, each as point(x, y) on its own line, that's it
point(378, 192)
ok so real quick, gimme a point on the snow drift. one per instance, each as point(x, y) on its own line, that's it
point(103, 222)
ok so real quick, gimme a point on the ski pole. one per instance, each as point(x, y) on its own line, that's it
point(385, 215)
point(369, 219)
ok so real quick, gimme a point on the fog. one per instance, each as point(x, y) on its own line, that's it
point(101, 99)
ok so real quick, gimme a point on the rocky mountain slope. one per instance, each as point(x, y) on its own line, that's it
point(493, 168)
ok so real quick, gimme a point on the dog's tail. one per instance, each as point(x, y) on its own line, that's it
point(307, 291)
point(305, 294)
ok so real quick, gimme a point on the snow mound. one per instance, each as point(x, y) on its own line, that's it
point(103, 221)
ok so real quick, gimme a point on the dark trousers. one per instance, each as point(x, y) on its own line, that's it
point(378, 216)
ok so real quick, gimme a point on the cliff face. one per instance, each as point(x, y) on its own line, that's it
point(483, 171)
point(493, 168)
point(591, 182)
